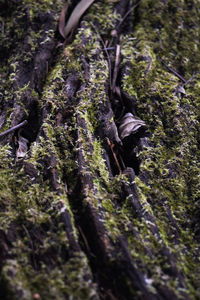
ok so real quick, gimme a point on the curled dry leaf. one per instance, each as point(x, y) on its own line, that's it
point(23, 147)
point(129, 125)
point(72, 23)
point(61, 25)
point(179, 91)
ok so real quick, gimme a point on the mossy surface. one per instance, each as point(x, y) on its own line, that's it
point(169, 180)
point(65, 174)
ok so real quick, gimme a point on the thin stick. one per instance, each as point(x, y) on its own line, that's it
point(128, 12)
point(105, 49)
point(114, 155)
point(115, 72)
point(122, 162)
point(189, 80)
point(124, 18)
point(110, 48)
point(174, 72)
point(14, 128)
point(84, 239)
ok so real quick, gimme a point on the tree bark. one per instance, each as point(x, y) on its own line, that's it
point(99, 189)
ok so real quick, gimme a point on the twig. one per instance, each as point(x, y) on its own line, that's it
point(109, 48)
point(190, 79)
point(122, 162)
point(14, 128)
point(174, 72)
point(84, 239)
point(105, 49)
point(114, 155)
point(126, 14)
point(123, 19)
point(115, 72)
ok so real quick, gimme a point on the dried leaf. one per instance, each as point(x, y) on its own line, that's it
point(61, 25)
point(78, 11)
point(23, 147)
point(179, 91)
point(129, 125)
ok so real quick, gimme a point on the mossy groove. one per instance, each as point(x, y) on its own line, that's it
point(72, 226)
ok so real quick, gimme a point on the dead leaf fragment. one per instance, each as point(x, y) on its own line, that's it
point(78, 11)
point(61, 25)
point(179, 91)
point(129, 124)
point(23, 147)
point(74, 18)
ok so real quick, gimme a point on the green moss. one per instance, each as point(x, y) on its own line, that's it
point(26, 205)
point(43, 6)
point(168, 183)
point(71, 281)
point(104, 15)
point(169, 164)
point(15, 284)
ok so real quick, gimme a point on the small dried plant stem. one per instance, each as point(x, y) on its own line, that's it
point(115, 72)
point(106, 51)
point(174, 72)
point(127, 13)
point(111, 145)
point(14, 128)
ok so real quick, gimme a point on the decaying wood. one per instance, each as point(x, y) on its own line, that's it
point(104, 202)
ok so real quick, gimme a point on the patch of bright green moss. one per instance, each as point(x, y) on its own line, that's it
point(168, 31)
